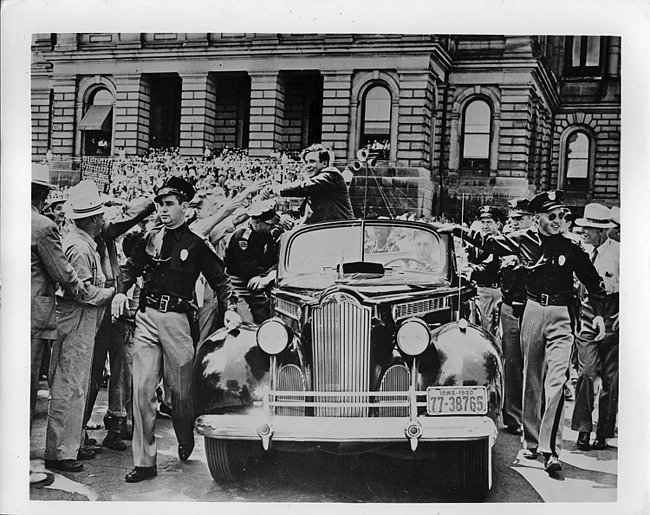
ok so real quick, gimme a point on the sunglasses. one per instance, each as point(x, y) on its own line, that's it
point(561, 215)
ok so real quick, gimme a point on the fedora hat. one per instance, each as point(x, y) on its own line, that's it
point(597, 216)
point(41, 175)
point(84, 201)
point(615, 215)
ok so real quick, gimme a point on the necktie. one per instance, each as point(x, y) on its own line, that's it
point(594, 255)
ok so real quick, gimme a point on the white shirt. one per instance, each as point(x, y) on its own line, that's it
point(607, 264)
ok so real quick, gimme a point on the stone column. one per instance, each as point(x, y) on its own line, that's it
point(267, 113)
point(415, 118)
point(198, 113)
point(336, 127)
point(132, 114)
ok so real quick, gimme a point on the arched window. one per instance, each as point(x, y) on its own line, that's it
point(577, 161)
point(375, 120)
point(477, 131)
point(97, 123)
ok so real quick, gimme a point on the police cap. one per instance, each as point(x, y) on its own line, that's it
point(491, 212)
point(263, 210)
point(546, 201)
point(519, 206)
point(175, 186)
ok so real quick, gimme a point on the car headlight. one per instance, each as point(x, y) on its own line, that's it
point(272, 336)
point(413, 337)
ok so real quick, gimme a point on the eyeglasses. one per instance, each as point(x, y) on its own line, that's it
point(561, 215)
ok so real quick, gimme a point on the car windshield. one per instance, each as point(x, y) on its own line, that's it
point(406, 252)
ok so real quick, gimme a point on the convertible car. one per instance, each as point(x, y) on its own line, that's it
point(370, 348)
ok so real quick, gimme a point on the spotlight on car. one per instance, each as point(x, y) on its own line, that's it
point(273, 336)
point(413, 337)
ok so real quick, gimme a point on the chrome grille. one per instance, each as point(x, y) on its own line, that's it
point(419, 307)
point(396, 379)
point(341, 351)
point(290, 379)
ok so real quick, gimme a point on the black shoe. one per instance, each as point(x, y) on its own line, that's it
point(552, 464)
point(140, 474)
point(185, 451)
point(85, 454)
point(583, 441)
point(114, 441)
point(600, 443)
point(514, 430)
point(64, 465)
point(531, 454)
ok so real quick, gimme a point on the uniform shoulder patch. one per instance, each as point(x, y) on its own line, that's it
point(243, 244)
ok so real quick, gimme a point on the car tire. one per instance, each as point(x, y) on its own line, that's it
point(472, 468)
point(227, 459)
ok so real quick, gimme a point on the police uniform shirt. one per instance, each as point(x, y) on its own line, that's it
point(250, 254)
point(549, 263)
point(171, 261)
point(513, 277)
point(485, 266)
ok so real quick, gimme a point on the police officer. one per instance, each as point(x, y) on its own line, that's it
point(547, 329)
point(484, 268)
point(251, 260)
point(513, 298)
point(596, 353)
point(170, 258)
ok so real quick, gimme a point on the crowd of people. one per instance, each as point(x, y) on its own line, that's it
point(138, 277)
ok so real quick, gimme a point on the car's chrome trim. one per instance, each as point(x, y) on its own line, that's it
point(339, 429)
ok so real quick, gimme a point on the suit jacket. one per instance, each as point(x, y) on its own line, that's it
point(48, 267)
point(326, 197)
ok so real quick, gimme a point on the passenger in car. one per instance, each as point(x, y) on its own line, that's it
point(325, 192)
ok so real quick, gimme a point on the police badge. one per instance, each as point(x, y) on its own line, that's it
point(184, 254)
point(561, 260)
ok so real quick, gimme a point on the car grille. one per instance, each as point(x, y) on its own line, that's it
point(420, 307)
point(341, 353)
point(290, 379)
point(396, 379)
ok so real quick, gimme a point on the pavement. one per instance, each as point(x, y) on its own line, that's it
point(590, 476)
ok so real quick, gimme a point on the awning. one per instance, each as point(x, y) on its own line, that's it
point(96, 118)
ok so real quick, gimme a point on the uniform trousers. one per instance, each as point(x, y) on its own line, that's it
point(162, 348)
point(488, 303)
point(597, 358)
point(513, 366)
point(547, 338)
point(69, 377)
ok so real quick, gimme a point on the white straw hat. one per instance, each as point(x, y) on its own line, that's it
point(596, 215)
point(41, 175)
point(85, 201)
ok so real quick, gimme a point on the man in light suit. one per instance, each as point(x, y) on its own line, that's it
point(49, 266)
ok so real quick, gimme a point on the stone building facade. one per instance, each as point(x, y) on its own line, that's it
point(484, 118)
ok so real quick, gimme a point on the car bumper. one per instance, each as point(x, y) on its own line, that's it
point(361, 430)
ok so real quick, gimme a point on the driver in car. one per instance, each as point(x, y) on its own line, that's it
point(423, 250)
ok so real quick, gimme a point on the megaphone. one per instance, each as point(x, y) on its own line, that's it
point(362, 155)
point(356, 166)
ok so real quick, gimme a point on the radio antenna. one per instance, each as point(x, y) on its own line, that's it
point(462, 217)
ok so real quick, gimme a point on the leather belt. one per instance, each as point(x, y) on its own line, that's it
point(165, 303)
point(511, 303)
point(551, 299)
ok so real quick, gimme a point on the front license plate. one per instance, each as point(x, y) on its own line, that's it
point(456, 400)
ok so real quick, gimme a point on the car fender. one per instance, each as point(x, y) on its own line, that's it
point(469, 356)
point(230, 371)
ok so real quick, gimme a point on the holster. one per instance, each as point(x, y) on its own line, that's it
point(518, 309)
point(192, 313)
point(574, 313)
